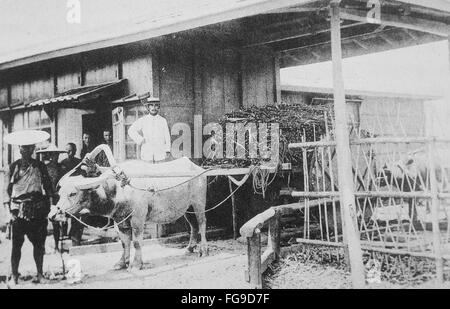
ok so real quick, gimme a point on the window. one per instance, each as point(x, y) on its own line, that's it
point(132, 113)
point(39, 120)
point(124, 147)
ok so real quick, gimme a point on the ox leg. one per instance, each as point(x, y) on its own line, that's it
point(125, 238)
point(194, 231)
point(201, 219)
point(138, 237)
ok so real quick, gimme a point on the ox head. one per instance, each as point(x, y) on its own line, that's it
point(410, 171)
point(89, 190)
point(79, 192)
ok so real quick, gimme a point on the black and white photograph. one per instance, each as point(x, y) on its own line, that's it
point(240, 146)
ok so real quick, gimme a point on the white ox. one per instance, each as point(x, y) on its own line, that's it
point(412, 173)
point(158, 193)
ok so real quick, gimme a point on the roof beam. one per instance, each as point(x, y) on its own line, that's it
point(387, 39)
point(441, 5)
point(407, 22)
point(304, 53)
point(294, 10)
point(410, 34)
point(363, 46)
point(261, 38)
point(423, 6)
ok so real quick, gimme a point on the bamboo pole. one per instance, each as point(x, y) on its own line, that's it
point(371, 140)
point(254, 260)
point(233, 209)
point(306, 188)
point(368, 194)
point(324, 188)
point(435, 216)
point(343, 153)
point(274, 235)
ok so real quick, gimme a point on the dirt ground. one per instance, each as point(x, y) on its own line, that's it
point(293, 272)
point(168, 266)
point(165, 266)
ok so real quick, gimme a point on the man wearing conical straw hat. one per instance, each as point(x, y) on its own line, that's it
point(49, 156)
point(28, 191)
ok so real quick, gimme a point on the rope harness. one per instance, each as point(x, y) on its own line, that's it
point(126, 181)
point(106, 227)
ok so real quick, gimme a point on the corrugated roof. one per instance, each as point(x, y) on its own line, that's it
point(78, 94)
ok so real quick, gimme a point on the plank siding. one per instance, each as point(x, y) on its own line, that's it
point(16, 94)
point(39, 88)
point(101, 67)
point(70, 127)
point(213, 98)
point(176, 77)
point(3, 96)
point(68, 79)
point(31, 85)
point(258, 77)
point(139, 73)
point(231, 80)
point(220, 83)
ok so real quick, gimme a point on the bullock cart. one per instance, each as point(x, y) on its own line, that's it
point(161, 177)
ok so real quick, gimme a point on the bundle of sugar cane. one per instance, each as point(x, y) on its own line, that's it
point(297, 123)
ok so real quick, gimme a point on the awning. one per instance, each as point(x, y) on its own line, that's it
point(110, 91)
point(133, 98)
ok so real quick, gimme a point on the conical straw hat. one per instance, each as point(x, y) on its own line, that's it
point(26, 137)
point(51, 148)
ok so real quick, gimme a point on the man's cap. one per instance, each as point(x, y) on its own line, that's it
point(151, 101)
point(147, 98)
point(51, 148)
point(26, 137)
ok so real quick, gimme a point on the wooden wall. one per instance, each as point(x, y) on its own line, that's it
point(220, 83)
point(176, 84)
point(3, 96)
point(197, 80)
point(101, 67)
point(137, 68)
point(393, 116)
point(70, 127)
point(191, 77)
point(259, 77)
point(30, 85)
point(68, 75)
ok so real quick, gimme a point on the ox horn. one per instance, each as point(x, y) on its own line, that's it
point(91, 155)
point(90, 183)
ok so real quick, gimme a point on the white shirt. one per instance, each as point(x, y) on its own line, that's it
point(152, 133)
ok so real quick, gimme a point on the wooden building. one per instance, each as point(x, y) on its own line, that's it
point(205, 61)
point(376, 112)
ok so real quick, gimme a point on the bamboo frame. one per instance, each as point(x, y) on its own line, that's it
point(367, 194)
point(375, 140)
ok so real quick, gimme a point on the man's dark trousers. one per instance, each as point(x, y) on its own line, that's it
point(36, 231)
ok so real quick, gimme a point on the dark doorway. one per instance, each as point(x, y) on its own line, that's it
point(95, 124)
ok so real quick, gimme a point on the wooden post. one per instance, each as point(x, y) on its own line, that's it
point(435, 216)
point(233, 209)
point(254, 260)
point(345, 176)
point(274, 235)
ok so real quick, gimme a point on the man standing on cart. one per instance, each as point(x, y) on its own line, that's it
point(151, 132)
